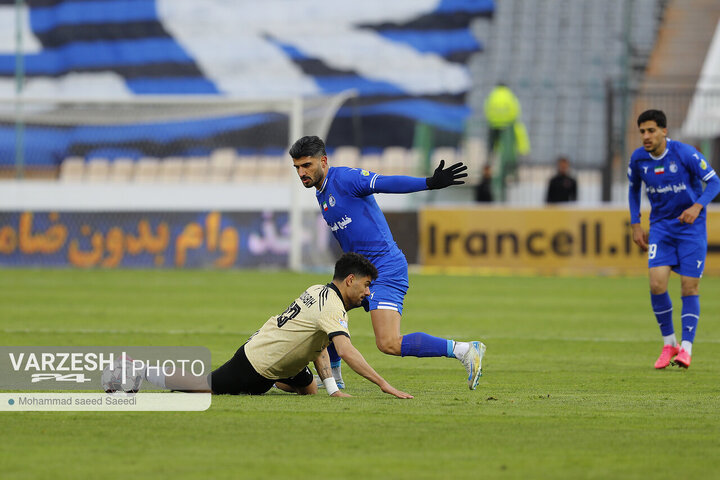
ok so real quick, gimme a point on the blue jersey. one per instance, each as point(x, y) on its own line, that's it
point(354, 217)
point(673, 182)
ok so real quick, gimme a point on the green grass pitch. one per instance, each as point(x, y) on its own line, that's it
point(569, 390)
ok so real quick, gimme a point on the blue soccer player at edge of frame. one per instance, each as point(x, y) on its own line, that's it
point(345, 197)
point(673, 173)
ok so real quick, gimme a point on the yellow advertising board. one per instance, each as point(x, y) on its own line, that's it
point(544, 240)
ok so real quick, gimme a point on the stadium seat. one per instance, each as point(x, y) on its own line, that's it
point(372, 162)
point(394, 161)
point(273, 169)
point(474, 156)
point(146, 170)
point(449, 154)
point(222, 162)
point(97, 170)
point(196, 170)
point(171, 170)
point(346, 156)
point(121, 170)
point(245, 169)
point(72, 169)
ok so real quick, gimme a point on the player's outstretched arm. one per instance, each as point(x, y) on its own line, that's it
point(324, 370)
point(357, 362)
point(445, 177)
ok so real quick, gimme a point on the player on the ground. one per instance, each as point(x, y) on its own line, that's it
point(345, 196)
point(280, 351)
point(673, 173)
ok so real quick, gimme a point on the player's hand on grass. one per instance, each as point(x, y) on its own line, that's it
point(340, 393)
point(444, 177)
point(387, 388)
point(640, 236)
point(690, 214)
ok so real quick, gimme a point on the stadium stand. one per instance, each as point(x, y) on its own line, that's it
point(244, 168)
point(171, 170)
point(196, 170)
point(556, 57)
point(97, 170)
point(146, 170)
point(121, 170)
point(348, 156)
point(72, 169)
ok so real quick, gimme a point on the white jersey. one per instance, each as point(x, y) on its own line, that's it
point(286, 343)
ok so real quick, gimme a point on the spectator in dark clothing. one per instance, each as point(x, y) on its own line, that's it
point(562, 187)
point(483, 190)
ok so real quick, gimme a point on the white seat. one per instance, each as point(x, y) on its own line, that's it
point(146, 170)
point(449, 154)
point(346, 156)
point(372, 162)
point(97, 170)
point(273, 169)
point(222, 162)
point(121, 170)
point(394, 161)
point(72, 169)
point(244, 169)
point(196, 170)
point(171, 170)
point(474, 155)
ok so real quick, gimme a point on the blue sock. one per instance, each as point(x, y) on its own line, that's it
point(420, 344)
point(662, 307)
point(334, 357)
point(690, 317)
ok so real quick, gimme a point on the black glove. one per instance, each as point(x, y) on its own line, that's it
point(449, 176)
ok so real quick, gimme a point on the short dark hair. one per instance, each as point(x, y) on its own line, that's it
point(657, 116)
point(308, 146)
point(355, 264)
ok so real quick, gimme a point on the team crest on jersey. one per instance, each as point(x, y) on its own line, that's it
point(673, 167)
point(331, 201)
point(365, 173)
point(703, 165)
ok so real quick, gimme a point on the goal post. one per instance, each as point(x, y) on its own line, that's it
point(166, 129)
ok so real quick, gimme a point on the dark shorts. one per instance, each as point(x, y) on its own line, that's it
point(238, 376)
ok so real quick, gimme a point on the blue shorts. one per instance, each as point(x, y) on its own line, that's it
point(680, 246)
point(388, 291)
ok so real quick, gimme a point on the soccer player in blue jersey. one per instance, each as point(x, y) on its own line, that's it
point(345, 196)
point(673, 173)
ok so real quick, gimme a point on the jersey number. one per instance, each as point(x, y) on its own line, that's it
point(291, 312)
point(652, 250)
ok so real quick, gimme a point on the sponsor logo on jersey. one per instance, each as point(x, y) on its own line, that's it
point(673, 167)
point(331, 201)
point(668, 188)
point(325, 206)
point(364, 173)
point(341, 224)
point(660, 170)
point(645, 169)
point(703, 164)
